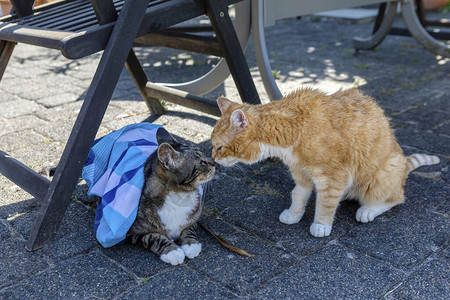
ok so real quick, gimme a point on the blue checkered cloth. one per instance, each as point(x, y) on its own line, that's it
point(114, 171)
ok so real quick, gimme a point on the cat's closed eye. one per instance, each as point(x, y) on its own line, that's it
point(219, 148)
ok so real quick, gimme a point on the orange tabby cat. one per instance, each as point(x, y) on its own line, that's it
point(339, 144)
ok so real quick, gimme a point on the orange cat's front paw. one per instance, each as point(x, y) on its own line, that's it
point(319, 230)
point(287, 217)
point(367, 213)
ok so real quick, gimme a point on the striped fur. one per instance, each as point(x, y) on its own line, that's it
point(417, 160)
point(340, 144)
point(170, 203)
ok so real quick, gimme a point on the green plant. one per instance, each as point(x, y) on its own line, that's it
point(276, 74)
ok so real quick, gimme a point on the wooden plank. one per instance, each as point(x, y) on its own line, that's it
point(104, 10)
point(182, 98)
point(156, 18)
point(23, 176)
point(139, 77)
point(44, 18)
point(34, 36)
point(183, 41)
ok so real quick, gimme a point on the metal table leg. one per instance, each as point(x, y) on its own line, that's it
point(419, 33)
point(383, 30)
point(262, 58)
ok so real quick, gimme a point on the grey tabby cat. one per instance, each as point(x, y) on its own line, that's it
point(170, 203)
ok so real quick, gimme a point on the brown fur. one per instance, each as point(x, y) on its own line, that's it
point(340, 144)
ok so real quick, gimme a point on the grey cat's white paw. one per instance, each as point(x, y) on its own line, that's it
point(174, 257)
point(319, 230)
point(287, 217)
point(192, 250)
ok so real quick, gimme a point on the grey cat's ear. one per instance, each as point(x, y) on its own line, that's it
point(225, 104)
point(238, 119)
point(163, 136)
point(167, 155)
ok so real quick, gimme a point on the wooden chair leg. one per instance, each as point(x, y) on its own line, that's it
point(23, 8)
point(83, 133)
point(6, 49)
point(139, 77)
point(223, 27)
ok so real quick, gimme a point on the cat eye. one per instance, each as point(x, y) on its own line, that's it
point(219, 148)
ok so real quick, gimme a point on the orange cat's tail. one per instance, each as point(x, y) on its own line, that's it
point(417, 160)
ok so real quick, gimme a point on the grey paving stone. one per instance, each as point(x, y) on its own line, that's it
point(15, 86)
point(14, 201)
point(19, 107)
point(436, 144)
point(444, 253)
point(137, 106)
point(259, 214)
point(57, 99)
point(120, 122)
point(333, 272)
point(21, 139)
point(17, 263)
point(444, 129)
point(403, 236)
point(240, 274)
point(80, 277)
point(127, 255)
point(20, 123)
point(40, 154)
point(59, 134)
point(430, 281)
point(425, 193)
point(5, 96)
point(114, 119)
point(76, 234)
point(235, 191)
point(4, 231)
point(178, 283)
point(23, 205)
point(420, 118)
point(67, 112)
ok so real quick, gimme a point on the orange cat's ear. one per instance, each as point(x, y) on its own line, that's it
point(238, 119)
point(224, 104)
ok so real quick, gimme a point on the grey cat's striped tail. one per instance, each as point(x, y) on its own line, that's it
point(418, 159)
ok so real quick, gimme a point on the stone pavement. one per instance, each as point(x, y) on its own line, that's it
point(403, 254)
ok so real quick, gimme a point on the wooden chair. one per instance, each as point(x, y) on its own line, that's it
point(79, 28)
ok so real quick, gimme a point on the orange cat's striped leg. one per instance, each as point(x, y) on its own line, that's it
point(300, 195)
point(329, 194)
